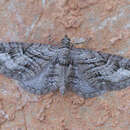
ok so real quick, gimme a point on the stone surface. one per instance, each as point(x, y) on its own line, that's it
point(105, 23)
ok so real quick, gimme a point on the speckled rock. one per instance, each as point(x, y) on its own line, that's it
point(100, 25)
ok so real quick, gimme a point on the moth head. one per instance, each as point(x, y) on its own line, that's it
point(66, 42)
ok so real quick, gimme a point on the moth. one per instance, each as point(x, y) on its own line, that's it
point(43, 68)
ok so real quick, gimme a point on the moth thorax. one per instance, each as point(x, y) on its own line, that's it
point(64, 56)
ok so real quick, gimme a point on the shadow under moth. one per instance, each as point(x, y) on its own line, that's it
point(42, 68)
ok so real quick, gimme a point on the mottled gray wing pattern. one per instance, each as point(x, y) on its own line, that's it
point(31, 64)
point(94, 73)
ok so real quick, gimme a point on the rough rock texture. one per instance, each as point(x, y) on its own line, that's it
point(105, 25)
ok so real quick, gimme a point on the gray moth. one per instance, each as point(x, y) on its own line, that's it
point(43, 68)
